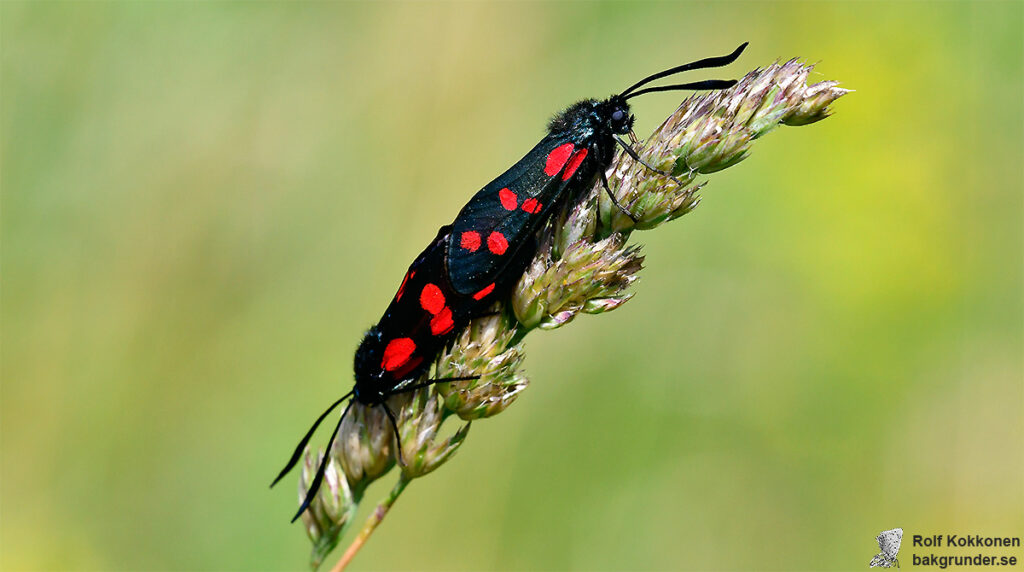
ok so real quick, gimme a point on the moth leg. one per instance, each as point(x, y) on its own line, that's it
point(398, 441)
point(604, 181)
point(391, 416)
point(636, 157)
point(430, 382)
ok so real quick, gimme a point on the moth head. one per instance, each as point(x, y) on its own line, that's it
point(618, 118)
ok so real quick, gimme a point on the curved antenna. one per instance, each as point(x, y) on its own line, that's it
point(322, 468)
point(713, 62)
point(319, 477)
point(697, 85)
point(305, 440)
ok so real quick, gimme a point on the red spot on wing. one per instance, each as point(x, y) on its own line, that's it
point(470, 240)
point(404, 370)
point(496, 243)
point(442, 322)
point(531, 206)
point(484, 291)
point(509, 200)
point(557, 158)
point(432, 299)
point(397, 353)
point(574, 164)
point(401, 289)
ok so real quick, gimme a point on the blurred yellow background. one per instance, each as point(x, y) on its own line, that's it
point(205, 204)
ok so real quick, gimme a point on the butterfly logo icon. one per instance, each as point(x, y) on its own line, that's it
point(889, 544)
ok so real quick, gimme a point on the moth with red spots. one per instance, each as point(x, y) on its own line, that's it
point(424, 316)
point(477, 259)
point(579, 146)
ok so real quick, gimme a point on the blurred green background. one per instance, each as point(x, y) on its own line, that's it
point(205, 204)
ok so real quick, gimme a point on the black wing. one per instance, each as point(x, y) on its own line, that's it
point(422, 318)
point(501, 219)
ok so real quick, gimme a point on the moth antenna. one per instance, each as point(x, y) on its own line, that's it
point(712, 62)
point(697, 85)
point(319, 477)
point(305, 440)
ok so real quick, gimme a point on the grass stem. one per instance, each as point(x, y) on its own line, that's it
point(371, 524)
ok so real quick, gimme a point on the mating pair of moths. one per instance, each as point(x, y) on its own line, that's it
point(478, 258)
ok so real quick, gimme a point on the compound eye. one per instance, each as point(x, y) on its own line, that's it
point(618, 115)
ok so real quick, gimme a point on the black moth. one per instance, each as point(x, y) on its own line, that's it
point(479, 257)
